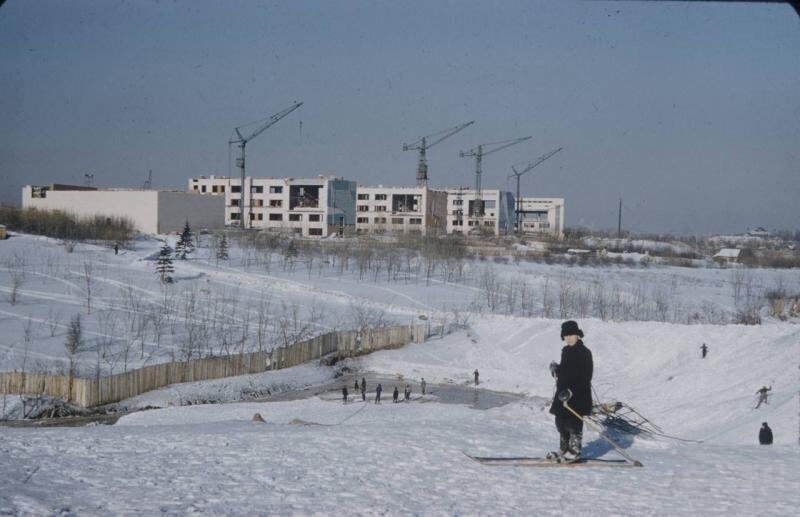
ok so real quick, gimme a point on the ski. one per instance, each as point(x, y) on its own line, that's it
point(564, 398)
point(524, 461)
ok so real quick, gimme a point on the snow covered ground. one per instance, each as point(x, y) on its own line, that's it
point(317, 455)
point(130, 319)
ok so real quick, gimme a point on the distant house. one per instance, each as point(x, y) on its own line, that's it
point(726, 255)
point(758, 232)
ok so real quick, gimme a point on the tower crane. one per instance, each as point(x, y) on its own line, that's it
point(425, 143)
point(241, 141)
point(479, 152)
point(529, 167)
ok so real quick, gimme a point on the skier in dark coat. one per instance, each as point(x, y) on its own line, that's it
point(423, 385)
point(395, 394)
point(704, 350)
point(765, 435)
point(762, 396)
point(378, 391)
point(344, 394)
point(574, 373)
point(476, 374)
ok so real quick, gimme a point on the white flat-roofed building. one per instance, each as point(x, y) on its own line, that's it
point(400, 210)
point(541, 215)
point(489, 215)
point(150, 211)
point(311, 207)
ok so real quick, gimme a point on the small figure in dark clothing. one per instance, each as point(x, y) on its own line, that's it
point(116, 248)
point(407, 393)
point(344, 394)
point(355, 385)
point(475, 373)
point(765, 435)
point(423, 385)
point(704, 350)
point(378, 391)
point(574, 373)
point(762, 395)
point(396, 394)
point(363, 389)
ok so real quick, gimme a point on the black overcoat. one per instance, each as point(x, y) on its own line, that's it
point(574, 373)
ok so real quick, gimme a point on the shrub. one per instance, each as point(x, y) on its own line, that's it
point(61, 225)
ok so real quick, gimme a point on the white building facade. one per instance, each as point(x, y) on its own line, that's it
point(487, 214)
point(541, 215)
point(400, 210)
point(309, 207)
point(150, 211)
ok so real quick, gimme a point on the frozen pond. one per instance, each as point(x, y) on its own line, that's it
point(475, 398)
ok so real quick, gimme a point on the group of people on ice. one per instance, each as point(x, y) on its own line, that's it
point(362, 388)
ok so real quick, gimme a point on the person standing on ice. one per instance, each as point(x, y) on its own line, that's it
point(475, 373)
point(765, 435)
point(355, 385)
point(396, 394)
point(344, 394)
point(407, 393)
point(363, 389)
point(378, 391)
point(704, 350)
point(762, 395)
point(574, 373)
point(422, 385)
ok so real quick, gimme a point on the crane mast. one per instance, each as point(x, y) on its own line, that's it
point(479, 152)
point(241, 142)
point(529, 167)
point(425, 143)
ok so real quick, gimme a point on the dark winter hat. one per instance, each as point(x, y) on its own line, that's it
point(570, 328)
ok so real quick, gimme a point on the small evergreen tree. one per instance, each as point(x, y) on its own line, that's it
point(222, 250)
point(164, 264)
point(185, 245)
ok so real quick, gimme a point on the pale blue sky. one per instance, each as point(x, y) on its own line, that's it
point(690, 111)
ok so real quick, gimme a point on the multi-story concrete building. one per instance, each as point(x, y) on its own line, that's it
point(489, 215)
point(400, 210)
point(150, 211)
point(542, 215)
point(311, 207)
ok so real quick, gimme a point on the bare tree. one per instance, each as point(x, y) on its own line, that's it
point(16, 266)
point(73, 346)
point(87, 273)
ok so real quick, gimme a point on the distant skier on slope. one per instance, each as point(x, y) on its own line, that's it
point(765, 435)
point(475, 373)
point(704, 350)
point(423, 385)
point(573, 373)
point(344, 394)
point(378, 391)
point(762, 395)
point(396, 394)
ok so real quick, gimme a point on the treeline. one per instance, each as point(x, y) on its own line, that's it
point(61, 225)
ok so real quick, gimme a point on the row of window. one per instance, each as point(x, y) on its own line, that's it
point(382, 220)
point(295, 218)
point(365, 208)
point(378, 197)
point(237, 189)
point(460, 222)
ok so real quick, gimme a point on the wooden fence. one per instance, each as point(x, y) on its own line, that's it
point(93, 392)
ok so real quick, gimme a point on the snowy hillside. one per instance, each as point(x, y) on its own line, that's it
point(263, 298)
point(317, 455)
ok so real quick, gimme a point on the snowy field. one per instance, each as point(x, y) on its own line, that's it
point(317, 455)
point(259, 300)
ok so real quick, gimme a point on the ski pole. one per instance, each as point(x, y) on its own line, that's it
point(564, 397)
